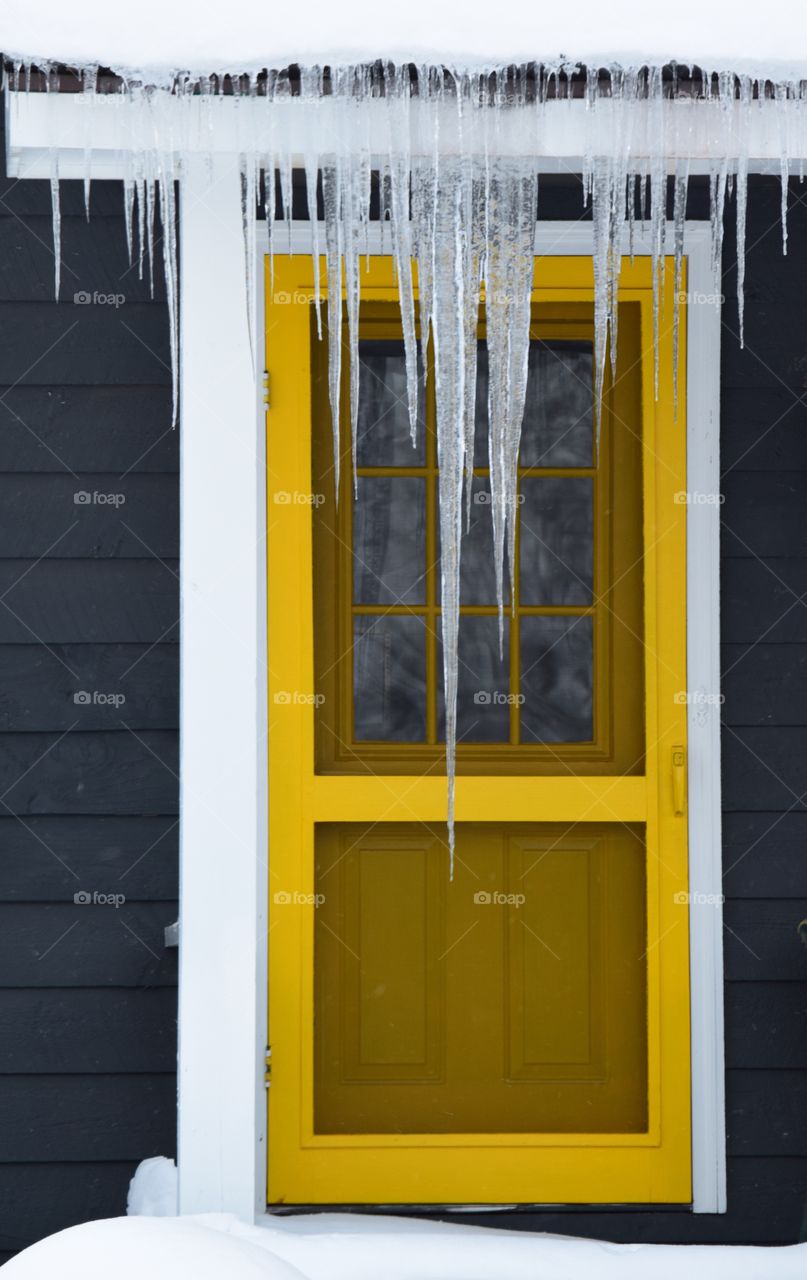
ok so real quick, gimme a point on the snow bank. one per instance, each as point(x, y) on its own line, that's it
point(207, 36)
point(149, 1249)
point(153, 1189)
point(354, 1247)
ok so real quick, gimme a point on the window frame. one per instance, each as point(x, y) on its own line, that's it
point(617, 745)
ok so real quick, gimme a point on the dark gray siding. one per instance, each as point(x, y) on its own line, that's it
point(89, 793)
point(89, 602)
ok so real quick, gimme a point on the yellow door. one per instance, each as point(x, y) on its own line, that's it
point(518, 1033)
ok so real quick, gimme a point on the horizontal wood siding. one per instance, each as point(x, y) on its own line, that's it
point(89, 606)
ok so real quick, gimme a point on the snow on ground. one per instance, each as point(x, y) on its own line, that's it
point(337, 1246)
point(153, 1189)
point(207, 36)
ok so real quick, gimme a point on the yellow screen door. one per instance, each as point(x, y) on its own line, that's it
point(518, 1033)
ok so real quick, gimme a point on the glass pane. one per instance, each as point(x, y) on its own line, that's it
point(477, 569)
point(383, 438)
point(483, 683)
point(557, 427)
point(389, 540)
point(389, 679)
point(557, 430)
point(557, 540)
point(557, 676)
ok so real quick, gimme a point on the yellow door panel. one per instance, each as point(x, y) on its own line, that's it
point(509, 1000)
point(519, 1033)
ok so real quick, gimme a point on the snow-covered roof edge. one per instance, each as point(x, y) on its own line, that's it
point(193, 73)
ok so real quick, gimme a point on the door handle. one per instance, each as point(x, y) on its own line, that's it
point(679, 767)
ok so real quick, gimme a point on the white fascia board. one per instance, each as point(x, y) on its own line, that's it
point(105, 131)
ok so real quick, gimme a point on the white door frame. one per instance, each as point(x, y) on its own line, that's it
point(223, 725)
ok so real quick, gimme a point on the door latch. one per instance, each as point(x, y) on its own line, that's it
point(679, 781)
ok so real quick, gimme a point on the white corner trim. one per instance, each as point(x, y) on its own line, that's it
point(223, 781)
point(703, 678)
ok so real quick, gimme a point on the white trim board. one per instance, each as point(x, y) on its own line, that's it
point(558, 138)
point(223, 874)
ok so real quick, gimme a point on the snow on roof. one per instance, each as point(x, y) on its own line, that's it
point(156, 37)
point(356, 1247)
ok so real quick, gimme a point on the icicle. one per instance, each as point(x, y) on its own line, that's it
point(248, 227)
point(451, 154)
point(679, 223)
point(400, 163)
point(311, 87)
point(57, 222)
point(333, 255)
point(449, 375)
point(742, 194)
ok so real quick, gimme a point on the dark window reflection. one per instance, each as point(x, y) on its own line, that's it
point(557, 663)
point(389, 679)
point(383, 438)
point(389, 540)
point(557, 540)
point(557, 430)
point(483, 683)
point(558, 410)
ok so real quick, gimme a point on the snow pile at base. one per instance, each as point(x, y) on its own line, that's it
point(353, 1247)
point(149, 1249)
point(153, 1189)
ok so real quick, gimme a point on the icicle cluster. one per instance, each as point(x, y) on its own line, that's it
point(456, 156)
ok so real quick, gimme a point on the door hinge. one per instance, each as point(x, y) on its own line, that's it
point(266, 396)
point(267, 1063)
